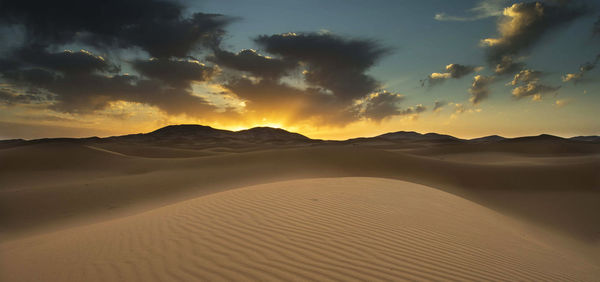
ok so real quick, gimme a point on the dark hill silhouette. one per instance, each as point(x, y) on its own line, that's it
point(269, 133)
point(189, 130)
point(592, 138)
point(200, 136)
point(490, 138)
point(538, 138)
point(415, 136)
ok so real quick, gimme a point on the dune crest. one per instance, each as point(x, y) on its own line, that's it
point(311, 229)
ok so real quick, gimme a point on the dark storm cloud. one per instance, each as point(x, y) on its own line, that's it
point(480, 88)
point(82, 82)
point(249, 60)
point(88, 92)
point(158, 27)
point(8, 97)
point(523, 25)
point(596, 28)
point(266, 93)
point(333, 68)
point(30, 77)
point(332, 62)
point(174, 72)
point(451, 71)
point(67, 61)
point(7, 64)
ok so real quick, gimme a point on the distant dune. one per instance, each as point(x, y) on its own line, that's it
point(193, 202)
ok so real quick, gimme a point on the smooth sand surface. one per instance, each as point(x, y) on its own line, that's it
point(311, 229)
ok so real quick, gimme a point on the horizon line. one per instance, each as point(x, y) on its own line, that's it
point(282, 128)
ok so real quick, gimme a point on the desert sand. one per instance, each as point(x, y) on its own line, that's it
point(250, 208)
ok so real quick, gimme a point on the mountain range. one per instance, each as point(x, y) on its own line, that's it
point(198, 134)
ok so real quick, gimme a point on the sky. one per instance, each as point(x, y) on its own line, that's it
point(332, 69)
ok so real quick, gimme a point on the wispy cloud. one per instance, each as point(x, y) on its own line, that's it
point(455, 71)
point(562, 102)
point(583, 69)
point(484, 9)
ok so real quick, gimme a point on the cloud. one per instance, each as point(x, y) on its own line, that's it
point(8, 63)
point(414, 110)
point(459, 109)
point(333, 68)
point(583, 69)
point(534, 89)
point(562, 102)
point(382, 105)
point(484, 9)
point(455, 71)
point(86, 92)
point(526, 76)
point(528, 83)
point(250, 61)
point(10, 98)
point(438, 105)
point(157, 27)
point(145, 52)
point(332, 62)
point(507, 65)
point(83, 82)
point(588, 66)
point(522, 25)
point(480, 88)
point(66, 61)
point(177, 73)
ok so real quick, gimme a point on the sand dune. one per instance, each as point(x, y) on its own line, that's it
point(313, 229)
point(160, 207)
point(44, 185)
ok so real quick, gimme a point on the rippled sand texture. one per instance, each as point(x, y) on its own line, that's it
point(311, 229)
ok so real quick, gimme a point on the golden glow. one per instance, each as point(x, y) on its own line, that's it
point(457, 119)
point(437, 75)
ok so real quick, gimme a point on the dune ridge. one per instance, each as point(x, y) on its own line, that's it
point(45, 184)
point(312, 229)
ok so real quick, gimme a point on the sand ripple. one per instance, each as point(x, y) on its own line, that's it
point(313, 229)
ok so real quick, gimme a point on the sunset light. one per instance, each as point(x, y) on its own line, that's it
point(313, 140)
